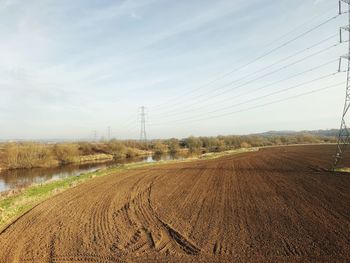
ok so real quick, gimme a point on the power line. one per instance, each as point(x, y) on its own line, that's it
point(249, 91)
point(258, 106)
point(294, 54)
point(196, 101)
point(300, 26)
point(269, 94)
point(254, 60)
point(224, 91)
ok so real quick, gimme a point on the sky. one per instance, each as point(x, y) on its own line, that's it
point(200, 67)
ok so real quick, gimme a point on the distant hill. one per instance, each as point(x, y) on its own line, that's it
point(328, 133)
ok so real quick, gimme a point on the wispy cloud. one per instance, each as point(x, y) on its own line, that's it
point(98, 60)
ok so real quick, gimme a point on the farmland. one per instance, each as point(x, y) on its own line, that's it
point(277, 204)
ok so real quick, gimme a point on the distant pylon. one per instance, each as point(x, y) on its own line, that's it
point(95, 136)
point(143, 136)
point(344, 132)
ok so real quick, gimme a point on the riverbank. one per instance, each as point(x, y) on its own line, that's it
point(13, 203)
point(28, 155)
point(83, 159)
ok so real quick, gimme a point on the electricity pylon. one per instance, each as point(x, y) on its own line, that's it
point(344, 131)
point(95, 136)
point(143, 136)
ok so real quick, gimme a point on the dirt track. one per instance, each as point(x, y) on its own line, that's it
point(275, 205)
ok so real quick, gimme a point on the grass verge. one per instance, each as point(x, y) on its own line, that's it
point(21, 201)
point(226, 153)
point(344, 170)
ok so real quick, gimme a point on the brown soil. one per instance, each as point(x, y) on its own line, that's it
point(274, 205)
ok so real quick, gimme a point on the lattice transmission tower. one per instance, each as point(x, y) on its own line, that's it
point(143, 135)
point(344, 131)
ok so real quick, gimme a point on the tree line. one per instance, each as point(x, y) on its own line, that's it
point(230, 142)
point(30, 154)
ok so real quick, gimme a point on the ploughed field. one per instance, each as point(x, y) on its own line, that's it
point(274, 205)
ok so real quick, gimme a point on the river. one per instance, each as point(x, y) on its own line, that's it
point(19, 178)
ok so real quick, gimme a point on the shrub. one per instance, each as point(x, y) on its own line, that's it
point(194, 144)
point(160, 148)
point(174, 145)
point(245, 145)
point(86, 148)
point(117, 149)
point(66, 153)
point(131, 152)
point(27, 155)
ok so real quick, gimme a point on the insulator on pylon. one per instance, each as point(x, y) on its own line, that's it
point(339, 5)
point(346, 28)
point(340, 59)
point(346, 1)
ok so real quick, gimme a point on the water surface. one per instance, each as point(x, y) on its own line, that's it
point(19, 178)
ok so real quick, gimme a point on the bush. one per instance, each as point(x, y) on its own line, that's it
point(27, 155)
point(86, 148)
point(173, 145)
point(194, 144)
point(131, 152)
point(117, 149)
point(245, 145)
point(160, 148)
point(66, 153)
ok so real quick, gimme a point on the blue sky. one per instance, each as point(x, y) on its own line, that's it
point(68, 68)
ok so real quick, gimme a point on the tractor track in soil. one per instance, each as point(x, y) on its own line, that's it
point(278, 204)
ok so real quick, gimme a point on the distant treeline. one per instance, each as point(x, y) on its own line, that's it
point(29, 155)
point(222, 143)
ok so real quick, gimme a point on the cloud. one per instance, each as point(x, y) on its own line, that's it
point(97, 61)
